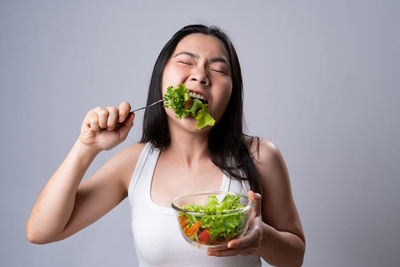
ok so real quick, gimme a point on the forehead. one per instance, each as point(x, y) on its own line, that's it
point(203, 45)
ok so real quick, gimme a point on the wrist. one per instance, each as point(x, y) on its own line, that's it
point(84, 150)
point(266, 234)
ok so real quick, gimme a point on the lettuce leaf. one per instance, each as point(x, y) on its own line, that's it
point(220, 226)
point(204, 118)
point(176, 98)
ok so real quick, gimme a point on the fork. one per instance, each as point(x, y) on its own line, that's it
point(152, 104)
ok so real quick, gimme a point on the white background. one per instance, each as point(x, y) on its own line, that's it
point(320, 80)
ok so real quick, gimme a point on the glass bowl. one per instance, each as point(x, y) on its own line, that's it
point(212, 218)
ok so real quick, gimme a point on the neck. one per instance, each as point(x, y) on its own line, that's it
point(189, 148)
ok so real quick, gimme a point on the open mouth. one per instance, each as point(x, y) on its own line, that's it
point(175, 97)
point(198, 96)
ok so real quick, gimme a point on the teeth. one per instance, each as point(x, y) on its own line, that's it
point(198, 96)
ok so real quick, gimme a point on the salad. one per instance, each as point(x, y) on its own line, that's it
point(218, 225)
point(184, 105)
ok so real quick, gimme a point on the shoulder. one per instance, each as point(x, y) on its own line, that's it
point(133, 151)
point(129, 154)
point(263, 151)
point(269, 162)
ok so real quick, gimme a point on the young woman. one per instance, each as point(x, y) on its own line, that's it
point(174, 158)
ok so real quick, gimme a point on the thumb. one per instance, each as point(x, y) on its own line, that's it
point(256, 198)
point(127, 125)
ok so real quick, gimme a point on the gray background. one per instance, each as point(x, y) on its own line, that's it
point(321, 81)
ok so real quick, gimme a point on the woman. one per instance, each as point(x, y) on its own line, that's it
point(173, 158)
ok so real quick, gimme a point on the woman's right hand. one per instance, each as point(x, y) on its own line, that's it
point(105, 128)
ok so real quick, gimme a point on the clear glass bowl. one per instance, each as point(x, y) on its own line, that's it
point(211, 228)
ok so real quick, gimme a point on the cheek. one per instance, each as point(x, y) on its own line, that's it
point(166, 78)
point(172, 76)
point(164, 82)
point(222, 100)
point(225, 91)
point(225, 99)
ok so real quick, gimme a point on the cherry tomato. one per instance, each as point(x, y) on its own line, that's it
point(204, 236)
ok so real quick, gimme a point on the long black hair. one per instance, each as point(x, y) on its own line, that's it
point(227, 144)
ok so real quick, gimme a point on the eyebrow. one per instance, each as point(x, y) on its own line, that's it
point(188, 54)
point(212, 60)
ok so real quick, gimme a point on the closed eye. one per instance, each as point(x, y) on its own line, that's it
point(219, 67)
point(220, 71)
point(185, 62)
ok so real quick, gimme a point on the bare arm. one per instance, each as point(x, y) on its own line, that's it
point(275, 230)
point(66, 205)
point(282, 240)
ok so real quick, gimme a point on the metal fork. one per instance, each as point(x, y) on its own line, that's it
point(158, 101)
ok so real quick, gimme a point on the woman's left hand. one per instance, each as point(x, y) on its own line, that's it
point(251, 240)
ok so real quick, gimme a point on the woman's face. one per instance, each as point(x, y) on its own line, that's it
point(201, 62)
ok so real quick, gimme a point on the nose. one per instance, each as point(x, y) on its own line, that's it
point(200, 75)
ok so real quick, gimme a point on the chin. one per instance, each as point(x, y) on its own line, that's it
point(188, 124)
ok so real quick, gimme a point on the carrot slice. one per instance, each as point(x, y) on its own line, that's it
point(193, 229)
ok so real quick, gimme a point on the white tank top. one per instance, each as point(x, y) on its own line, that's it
point(156, 233)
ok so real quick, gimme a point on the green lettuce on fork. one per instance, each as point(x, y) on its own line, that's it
point(184, 105)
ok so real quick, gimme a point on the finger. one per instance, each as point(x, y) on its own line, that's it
point(252, 238)
point(126, 126)
point(256, 198)
point(124, 109)
point(246, 253)
point(218, 248)
point(102, 115)
point(91, 121)
point(226, 252)
point(242, 242)
point(112, 118)
point(239, 243)
point(129, 120)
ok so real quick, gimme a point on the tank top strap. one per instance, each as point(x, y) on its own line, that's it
point(143, 173)
point(149, 153)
